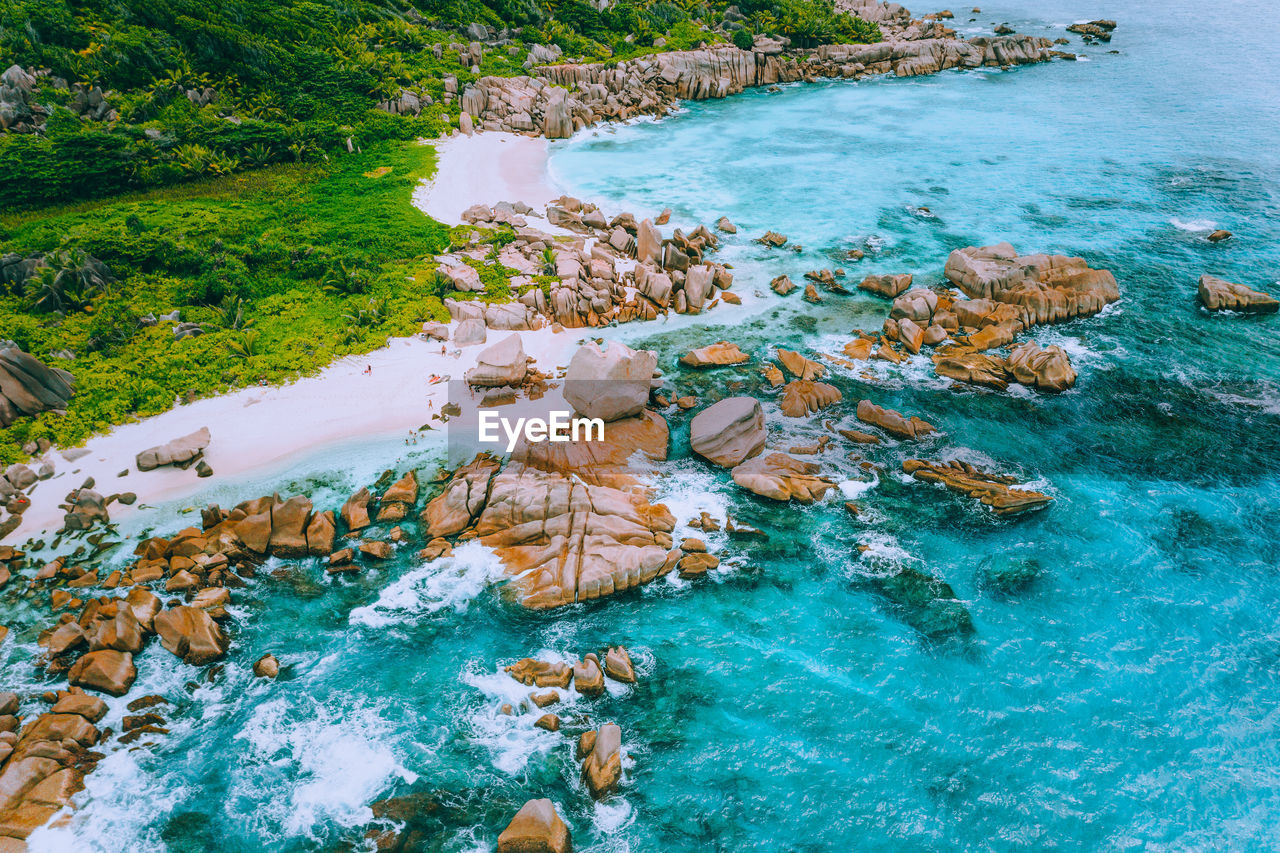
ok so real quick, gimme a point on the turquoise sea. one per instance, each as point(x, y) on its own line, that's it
point(1124, 694)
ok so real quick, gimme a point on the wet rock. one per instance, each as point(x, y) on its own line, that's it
point(894, 423)
point(723, 224)
point(536, 828)
point(1046, 369)
point(537, 673)
point(618, 666)
point(191, 634)
point(728, 432)
point(992, 490)
point(376, 550)
point(1217, 294)
point(89, 707)
point(462, 499)
point(107, 670)
point(1219, 235)
point(588, 678)
point(799, 366)
point(782, 478)
point(696, 565)
point(266, 666)
point(1038, 288)
point(718, 354)
point(548, 722)
point(782, 285)
point(801, 398)
point(602, 768)
point(927, 604)
point(889, 286)
point(355, 512)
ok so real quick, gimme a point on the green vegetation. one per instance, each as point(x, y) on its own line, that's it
point(244, 256)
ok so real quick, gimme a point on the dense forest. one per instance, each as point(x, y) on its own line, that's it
point(238, 162)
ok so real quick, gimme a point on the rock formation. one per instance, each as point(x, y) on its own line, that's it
point(179, 451)
point(536, 828)
point(728, 432)
point(29, 387)
point(782, 478)
point(992, 490)
point(611, 383)
point(894, 423)
point(1217, 294)
point(503, 363)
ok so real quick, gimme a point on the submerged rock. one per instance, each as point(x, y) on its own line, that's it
point(927, 604)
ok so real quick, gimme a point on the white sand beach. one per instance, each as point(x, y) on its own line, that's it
point(485, 169)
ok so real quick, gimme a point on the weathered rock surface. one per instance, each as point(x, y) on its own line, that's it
point(175, 452)
point(894, 423)
point(536, 828)
point(611, 383)
point(992, 490)
point(728, 432)
point(1217, 294)
point(29, 387)
point(782, 478)
point(503, 363)
point(602, 767)
point(718, 354)
point(107, 670)
point(801, 397)
point(191, 634)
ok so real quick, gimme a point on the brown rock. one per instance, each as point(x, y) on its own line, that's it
point(1217, 294)
point(376, 550)
point(90, 707)
point(537, 673)
point(550, 722)
point(714, 355)
point(908, 429)
point(617, 665)
point(266, 666)
point(991, 490)
point(697, 564)
point(462, 499)
point(355, 512)
point(602, 768)
point(108, 671)
point(536, 828)
point(588, 679)
point(801, 397)
point(542, 700)
point(321, 532)
point(191, 634)
point(782, 478)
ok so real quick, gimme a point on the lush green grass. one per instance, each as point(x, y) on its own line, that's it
point(268, 238)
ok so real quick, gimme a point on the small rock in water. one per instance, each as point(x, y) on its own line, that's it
point(1219, 235)
point(266, 666)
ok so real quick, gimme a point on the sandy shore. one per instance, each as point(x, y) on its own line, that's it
point(259, 427)
point(485, 169)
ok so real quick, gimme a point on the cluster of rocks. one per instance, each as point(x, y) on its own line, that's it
point(1218, 294)
point(21, 110)
point(1007, 294)
point(996, 491)
point(561, 99)
point(180, 452)
point(1094, 30)
point(617, 271)
point(28, 386)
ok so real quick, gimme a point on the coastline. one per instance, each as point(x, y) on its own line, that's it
point(484, 169)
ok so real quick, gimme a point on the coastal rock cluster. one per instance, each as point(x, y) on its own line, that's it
point(1007, 294)
point(561, 99)
point(617, 271)
point(1218, 294)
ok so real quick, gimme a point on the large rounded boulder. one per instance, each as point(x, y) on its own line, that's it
point(728, 432)
point(609, 383)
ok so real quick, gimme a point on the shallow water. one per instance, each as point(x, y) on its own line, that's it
point(1125, 698)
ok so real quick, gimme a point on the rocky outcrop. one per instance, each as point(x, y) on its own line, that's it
point(180, 451)
point(29, 387)
point(719, 354)
point(566, 541)
point(602, 761)
point(1217, 294)
point(191, 634)
point(561, 99)
point(503, 363)
point(1048, 369)
point(894, 423)
point(886, 285)
point(462, 498)
point(801, 398)
point(728, 432)
point(995, 491)
point(611, 383)
point(782, 478)
point(536, 828)
point(1011, 292)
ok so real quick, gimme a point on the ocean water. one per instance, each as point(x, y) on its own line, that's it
point(1124, 696)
